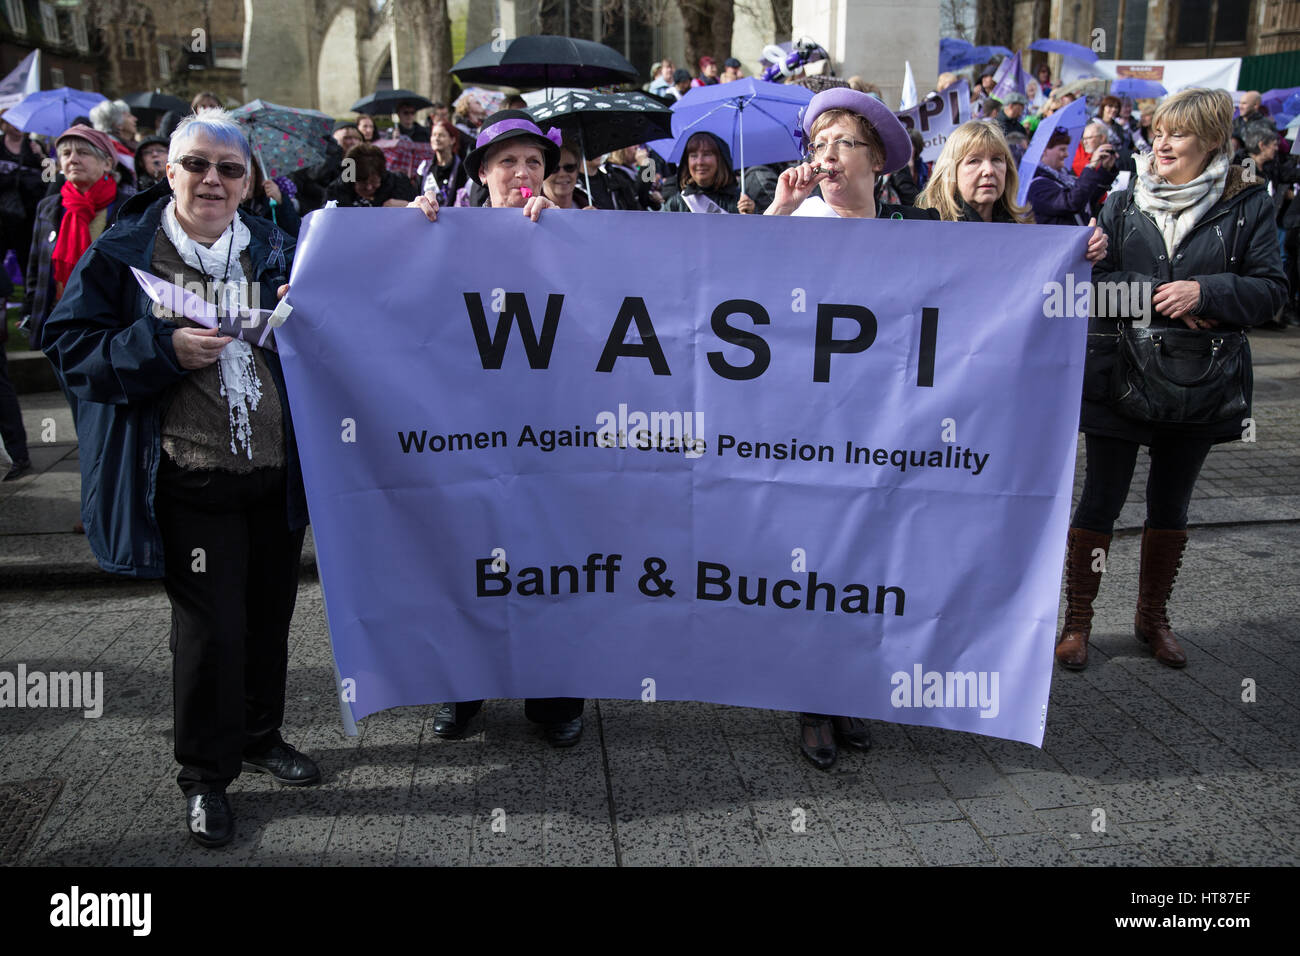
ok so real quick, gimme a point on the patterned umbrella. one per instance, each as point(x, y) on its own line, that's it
point(284, 138)
point(605, 122)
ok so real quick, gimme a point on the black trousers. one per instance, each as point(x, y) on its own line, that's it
point(11, 416)
point(1175, 465)
point(232, 577)
point(540, 710)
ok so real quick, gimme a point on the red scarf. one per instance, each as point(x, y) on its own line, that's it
point(79, 208)
point(1080, 160)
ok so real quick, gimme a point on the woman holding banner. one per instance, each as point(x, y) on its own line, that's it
point(1200, 240)
point(852, 138)
point(512, 157)
point(975, 180)
point(706, 179)
point(189, 467)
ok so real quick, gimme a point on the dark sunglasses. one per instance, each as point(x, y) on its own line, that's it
point(226, 170)
point(567, 167)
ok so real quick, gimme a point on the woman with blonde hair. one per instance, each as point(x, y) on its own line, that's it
point(975, 180)
point(1201, 234)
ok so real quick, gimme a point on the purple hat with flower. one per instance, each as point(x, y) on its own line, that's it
point(509, 124)
point(898, 145)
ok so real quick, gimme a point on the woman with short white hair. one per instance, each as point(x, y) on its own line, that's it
point(115, 118)
point(189, 468)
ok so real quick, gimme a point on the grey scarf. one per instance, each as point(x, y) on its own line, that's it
point(1176, 209)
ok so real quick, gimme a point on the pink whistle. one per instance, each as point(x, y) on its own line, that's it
point(526, 192)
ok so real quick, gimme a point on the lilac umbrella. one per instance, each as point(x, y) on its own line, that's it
point(50, 112)
point(1064, 47)
point(756, 119)
point(1275, 100)
point(955, 54)
point(1137, 89)
point(1072, 119)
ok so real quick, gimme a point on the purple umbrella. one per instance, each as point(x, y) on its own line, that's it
point(50, 112)
point(751, 116)
point(1072, 119)
point(955, 54)
point(1137, 89)
point(1065, 48)
point(1275, 100)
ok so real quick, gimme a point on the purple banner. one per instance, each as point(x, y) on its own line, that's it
point(806, 464)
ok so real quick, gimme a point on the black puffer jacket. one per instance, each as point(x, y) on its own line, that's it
point(1232, 252)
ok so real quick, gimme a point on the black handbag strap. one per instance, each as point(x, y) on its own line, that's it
point(1212, 367)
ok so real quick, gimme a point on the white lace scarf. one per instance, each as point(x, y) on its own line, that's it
point(236, 369)
point(1176, 209)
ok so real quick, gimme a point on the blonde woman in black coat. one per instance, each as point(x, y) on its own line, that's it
point(1199, 235)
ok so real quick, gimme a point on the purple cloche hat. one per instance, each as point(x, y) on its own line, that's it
point(898, 145)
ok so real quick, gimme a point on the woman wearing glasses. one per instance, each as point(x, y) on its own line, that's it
point(853, 138)
point(189, 468)
point(561, 186)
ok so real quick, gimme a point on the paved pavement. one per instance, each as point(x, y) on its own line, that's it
point(1142, 765)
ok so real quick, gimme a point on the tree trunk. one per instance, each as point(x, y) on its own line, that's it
point(782, 20)
point(431, 25)
point(994, 22)
point(708, 29)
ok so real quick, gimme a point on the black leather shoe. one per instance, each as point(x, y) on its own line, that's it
point(19, 469)
point(817, 740)
point(852, 732)
point(285, 765)
point(565, 733)
point(209, 819)
point(452, 721)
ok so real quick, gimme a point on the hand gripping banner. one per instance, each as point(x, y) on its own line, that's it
point(793, 463)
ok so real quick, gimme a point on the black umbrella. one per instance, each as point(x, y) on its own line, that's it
point(604, 122)
point(149, 106)
point(533, 62)
point(382, 102)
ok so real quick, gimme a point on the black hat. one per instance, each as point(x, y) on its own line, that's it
point(154, 140)
point(346, 124)
point(510, 124)
point(732, 62)
point(681, 76)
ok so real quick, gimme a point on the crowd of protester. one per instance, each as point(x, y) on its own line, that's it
point(188, 199)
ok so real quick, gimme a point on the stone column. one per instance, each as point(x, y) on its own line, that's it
point(874, 38)
point(278, 61)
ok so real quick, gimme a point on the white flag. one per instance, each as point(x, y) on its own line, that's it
point(909, 88)
point(23, 79)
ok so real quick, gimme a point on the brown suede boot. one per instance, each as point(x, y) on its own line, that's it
point(1081, 586)
point(1162, 552)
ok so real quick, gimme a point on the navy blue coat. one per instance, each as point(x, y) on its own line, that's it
point(1055, 204)
point(115, 359)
